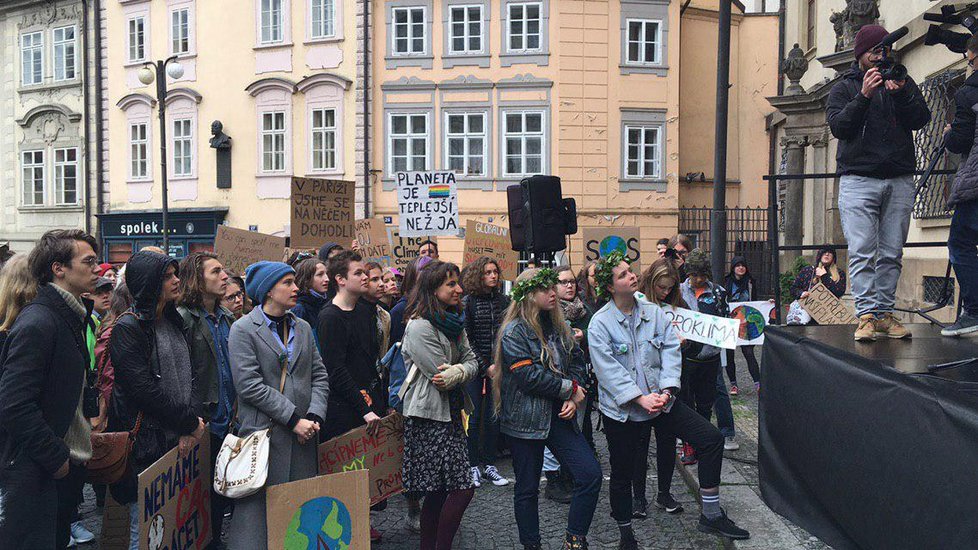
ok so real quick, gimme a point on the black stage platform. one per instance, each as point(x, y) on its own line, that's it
point(865, 447)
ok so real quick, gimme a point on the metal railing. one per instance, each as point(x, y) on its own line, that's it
point(746, 237)
point(938, 91)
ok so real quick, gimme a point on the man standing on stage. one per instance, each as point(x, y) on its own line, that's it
point(874, 120)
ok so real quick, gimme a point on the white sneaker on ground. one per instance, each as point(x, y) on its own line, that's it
point(492, 474)
point(79, 534)
point(730, 444)
point(476, 476)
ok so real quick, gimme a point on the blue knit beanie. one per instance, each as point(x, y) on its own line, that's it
point(261, 276)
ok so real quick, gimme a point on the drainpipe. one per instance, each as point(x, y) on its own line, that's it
point(86, 117)
point(100, 109)
point(366, 108)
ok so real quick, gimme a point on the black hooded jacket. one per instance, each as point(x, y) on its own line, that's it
point(739, 290)
point(138, 383)
point(875, 135)
point(961, 139)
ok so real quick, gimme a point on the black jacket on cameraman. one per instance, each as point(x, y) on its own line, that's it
point(876, 134)
point(483, 315)
point(138, 382)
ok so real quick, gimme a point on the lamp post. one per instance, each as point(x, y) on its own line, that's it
point(159, 71)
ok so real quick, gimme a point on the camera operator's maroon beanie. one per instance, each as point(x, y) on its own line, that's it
point(867, 38)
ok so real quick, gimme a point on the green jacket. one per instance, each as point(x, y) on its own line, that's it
point(91, 329)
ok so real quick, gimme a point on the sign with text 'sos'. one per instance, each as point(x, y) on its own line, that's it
point(825, 308)
point(427, 204)
point(237, 248)
point(174, 501)
point(486, 239)
point(601, 241)
point(382, 454)
point(322, 211)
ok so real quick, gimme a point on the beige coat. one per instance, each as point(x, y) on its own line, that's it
point(426, 348)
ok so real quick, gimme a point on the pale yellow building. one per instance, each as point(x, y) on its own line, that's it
point(281, 75)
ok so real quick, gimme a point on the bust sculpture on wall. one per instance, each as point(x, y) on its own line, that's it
point(222, 142)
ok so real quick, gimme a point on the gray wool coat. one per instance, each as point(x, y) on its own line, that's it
point(257, 372)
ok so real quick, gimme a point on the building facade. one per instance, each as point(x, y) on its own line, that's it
point(823, 33)
point(284, 78)
point(47, 151)
point(609, 96)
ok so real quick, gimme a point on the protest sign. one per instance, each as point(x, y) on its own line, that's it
point(716, 331)
point(601, 241)
point(427, 204)
point(375, 245)
point(325, 513)
point(754, 318)
point(237, 248)
point(381, 454)
point(825, 308)
point(174, 501)
point(404, 249)
point(486, 239)
point(322, 211)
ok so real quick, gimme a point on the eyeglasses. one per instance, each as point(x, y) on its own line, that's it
point(234, 297)
point(567, 283)
point(90, 262)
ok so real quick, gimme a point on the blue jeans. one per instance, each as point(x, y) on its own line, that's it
point(962, 244)
point(572, 450)
point(725, 419)
point(134, 526)
point(482, 439)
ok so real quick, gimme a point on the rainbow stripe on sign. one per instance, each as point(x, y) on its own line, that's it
point(438, 191)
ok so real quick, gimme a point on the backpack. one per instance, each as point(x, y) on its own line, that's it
point(393, 361)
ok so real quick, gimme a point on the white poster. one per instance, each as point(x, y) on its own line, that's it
point(692, 325)
point(427, 204)
point(754, 317)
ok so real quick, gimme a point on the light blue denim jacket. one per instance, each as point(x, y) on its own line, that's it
point(611, 352)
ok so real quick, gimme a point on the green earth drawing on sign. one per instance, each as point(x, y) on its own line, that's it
point(322, 523)
point(611, 243)
point(751, 322)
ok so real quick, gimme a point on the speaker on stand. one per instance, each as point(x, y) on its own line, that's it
point(540, 218)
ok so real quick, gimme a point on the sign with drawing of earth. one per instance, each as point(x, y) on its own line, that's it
point(753, 317)
point(322, 523)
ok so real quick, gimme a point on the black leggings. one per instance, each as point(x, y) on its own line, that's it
point(752, 368)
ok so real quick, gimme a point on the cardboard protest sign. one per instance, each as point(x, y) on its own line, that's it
point(601, 241)
point(486, 239)
point(716, 331)
point(237, 248)
point(427, 203)
point(175, 501)
point(825, 308)
point(320, 513)
point(754, 318)
point(375, 245)
point(380, 454)
point(404, 249)
point(322, 211)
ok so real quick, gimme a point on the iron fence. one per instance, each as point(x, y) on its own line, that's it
point(938, 92)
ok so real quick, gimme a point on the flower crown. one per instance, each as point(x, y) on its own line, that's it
point(545, 278)
point(603, 272)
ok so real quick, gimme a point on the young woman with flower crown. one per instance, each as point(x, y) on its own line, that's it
point(539, 387)
point(636, 358)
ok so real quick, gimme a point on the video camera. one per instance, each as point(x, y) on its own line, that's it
point(887, 65)
point(957, 42)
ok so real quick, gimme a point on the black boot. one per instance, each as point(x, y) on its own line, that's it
point(556, 491)
point(575, 542)
point(532, 547)
point(627, 540)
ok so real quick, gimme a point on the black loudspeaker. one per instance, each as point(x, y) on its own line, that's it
point(539, 217)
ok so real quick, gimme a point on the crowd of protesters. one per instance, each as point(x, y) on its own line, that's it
point(178, 351)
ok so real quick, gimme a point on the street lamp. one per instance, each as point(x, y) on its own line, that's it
point(158, 71)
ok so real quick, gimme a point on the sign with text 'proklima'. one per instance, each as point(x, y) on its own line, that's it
point(427, 204)
point(699, 327)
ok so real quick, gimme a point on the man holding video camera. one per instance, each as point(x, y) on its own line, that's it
point(873, 115)
point(963, 238)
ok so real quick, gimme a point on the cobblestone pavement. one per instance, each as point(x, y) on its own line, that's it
point(489, 523)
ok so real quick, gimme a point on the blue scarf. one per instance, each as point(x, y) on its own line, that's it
point(450, 324)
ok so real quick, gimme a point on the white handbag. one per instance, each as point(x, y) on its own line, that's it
point(241, 467)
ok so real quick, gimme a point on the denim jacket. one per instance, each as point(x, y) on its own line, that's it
point(616, 359)
point(529, 389)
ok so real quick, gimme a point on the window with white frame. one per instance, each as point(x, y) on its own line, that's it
point(139, 150)
point(524, 135)
point(32, 57)
point(64, 53)
point(271, 21)
point(66, 175)
point(643, 42)
point(273, 142)
point(323, 139)
point(524, 27)
point(322, 18)
point(465, 29)
point(183, 147)
point(137, 39)
point(465, 143)
point(408, 142)
point(409, 31)
point(32, 167)
point(180, 31)
point(644, 159)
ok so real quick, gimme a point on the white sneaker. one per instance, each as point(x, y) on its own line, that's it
point(492, 474)
point(79, 534)
point(72, 542)
point(730, 444)
point(476, 476)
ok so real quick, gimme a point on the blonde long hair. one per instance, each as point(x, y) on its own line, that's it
point(529, 312)
point(17, 289)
